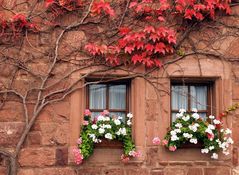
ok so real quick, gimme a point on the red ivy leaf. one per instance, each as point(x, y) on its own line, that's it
point(102, 6)
point(157, 63)
point(132, 4)
point(136, 58)
point(160, 48)
point(49, 3)
point(189, 13)
point(129, 49)
point(199, 16)
point(154, 37)
point(148, 62)
point(149, 29)
point(149, 47)
point(139, 45)
point(124, 30)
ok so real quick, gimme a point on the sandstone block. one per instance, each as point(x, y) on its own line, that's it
point(37, 157)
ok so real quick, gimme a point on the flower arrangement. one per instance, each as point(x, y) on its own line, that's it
point(104, 127)
point(192, 128)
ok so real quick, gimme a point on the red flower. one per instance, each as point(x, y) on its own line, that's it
point(87, 112)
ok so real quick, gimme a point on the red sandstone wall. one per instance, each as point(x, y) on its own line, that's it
point(47, 150)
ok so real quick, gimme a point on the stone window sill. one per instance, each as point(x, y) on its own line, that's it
point(111, 144)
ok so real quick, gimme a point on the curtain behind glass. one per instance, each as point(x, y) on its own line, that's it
point(97, 96)
point(198, 97)
point(179, 97)
point(117, 97)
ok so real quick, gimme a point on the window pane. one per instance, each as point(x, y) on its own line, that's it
point(179, 97)
point(94, 114)
point(117, 97)
point(203, 115)
point(173, 117)
point(198, 97)
point(117, 114)
point(97, 96)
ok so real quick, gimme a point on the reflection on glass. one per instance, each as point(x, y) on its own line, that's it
point(179, 97)
point(97, 96)
point(198, 97)
point(117, 97)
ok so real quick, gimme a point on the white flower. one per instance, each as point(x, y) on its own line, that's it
point(177, 130)
point(216, 122)
point(222, 130)
point(214, 156)
point(182, 110)
point(209, 131)
point(205, 150)
point(106, 119)
point(92, 136)
point(179, 115)
point(196, 116)
point(108, 136)
point(173, 132)
point(211, 117)
point(101, 130)
point(121, 131)
point(94, 126)
point(226, 153)
point(178, 125)
point(211, 148)
point(187, 135)
point(230, 141)
point(186, 118)
point(194, 110)
point(117, 122)
point(130, 115)
point(193, 128)
point(228, 131)
point(107, 126)
point(212, 127)
point(129, 122)
point(120, 118)
point(193, 140)
point(100, 118)
point(174, 137)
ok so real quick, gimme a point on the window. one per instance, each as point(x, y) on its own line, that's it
point(191, 95)
point(111, 96)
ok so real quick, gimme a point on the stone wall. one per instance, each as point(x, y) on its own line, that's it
point(48, 148)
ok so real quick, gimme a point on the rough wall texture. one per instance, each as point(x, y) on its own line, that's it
point(48, 148)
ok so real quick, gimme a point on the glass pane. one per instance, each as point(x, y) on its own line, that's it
point(173, 117)
point(198, 97)
point(97, 96)
point(118, 114)
point(117, 97)
point(203, 115)
point(94, 114)
point(179, 97)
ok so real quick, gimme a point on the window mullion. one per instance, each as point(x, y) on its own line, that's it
point(189, 99)
point(107, 97)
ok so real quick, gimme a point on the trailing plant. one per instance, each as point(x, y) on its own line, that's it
point(194, 129)
point(104, 127)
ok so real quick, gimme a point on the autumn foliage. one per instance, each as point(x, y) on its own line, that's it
point(145, 41)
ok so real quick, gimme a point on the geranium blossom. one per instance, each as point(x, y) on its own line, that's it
point(156, 140)
point(193, 129)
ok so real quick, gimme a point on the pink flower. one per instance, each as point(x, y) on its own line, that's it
point(165, 142)
point(79, 141)
point(105, 112)
point(172, 148)
point(85, 123)
point(156, 140)
point(87, 112)
point(124, 158)
point(78, 156)
point(210, 136)
point(135, 153)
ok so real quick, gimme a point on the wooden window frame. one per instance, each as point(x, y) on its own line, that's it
point(126, 110)
point(195, 82)
point(111, 144)
point(210, 100)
